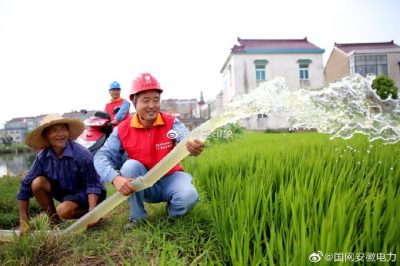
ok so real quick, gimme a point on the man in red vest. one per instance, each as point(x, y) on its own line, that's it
point(117, 108)
point(146, 139)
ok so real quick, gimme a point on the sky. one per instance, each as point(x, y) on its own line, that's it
point(58, 56)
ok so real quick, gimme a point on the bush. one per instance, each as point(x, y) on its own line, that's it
point(385, 87)
point(7, 140)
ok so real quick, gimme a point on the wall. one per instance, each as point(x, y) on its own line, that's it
point(394, 67)
point(18, 135)
point(337, 66)
point(279, 65)
point(243, 79)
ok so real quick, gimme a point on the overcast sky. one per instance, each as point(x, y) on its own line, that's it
point(59, 56)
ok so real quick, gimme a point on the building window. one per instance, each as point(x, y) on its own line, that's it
point(227, 78)
point(260, 73)
point(369, 64)
point(260, 69)
point(303, 71)
point(303, 68)
point(399, 67)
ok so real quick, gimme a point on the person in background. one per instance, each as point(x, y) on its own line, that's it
point(63, 170)
point(117, 108)
point(146, 138)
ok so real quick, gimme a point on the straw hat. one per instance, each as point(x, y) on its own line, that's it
point(35, 138)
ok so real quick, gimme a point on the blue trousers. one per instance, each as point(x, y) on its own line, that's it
point(176, 189)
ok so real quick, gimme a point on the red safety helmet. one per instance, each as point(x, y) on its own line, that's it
point(145, 82)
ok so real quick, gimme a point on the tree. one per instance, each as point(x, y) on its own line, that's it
point(7, 140)
point(385, 87)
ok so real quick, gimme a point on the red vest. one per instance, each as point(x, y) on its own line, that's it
point(112, 105)
point(149, 146)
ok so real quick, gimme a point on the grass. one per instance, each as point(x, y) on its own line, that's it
point(266, 199)
point(9, 215)
point(158, 241)
point(285, 196)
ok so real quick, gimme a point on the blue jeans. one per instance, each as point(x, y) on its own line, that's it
point(176, 189)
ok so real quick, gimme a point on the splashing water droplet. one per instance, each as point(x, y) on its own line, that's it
point(342, 109)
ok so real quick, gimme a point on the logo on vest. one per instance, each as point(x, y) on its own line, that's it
point(172, 134)
point(164, 145)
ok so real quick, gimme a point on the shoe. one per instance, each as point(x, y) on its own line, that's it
point(55, 220)
point(131, 225)
point(172, 220)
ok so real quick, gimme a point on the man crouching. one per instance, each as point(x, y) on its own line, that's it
point(63, 170)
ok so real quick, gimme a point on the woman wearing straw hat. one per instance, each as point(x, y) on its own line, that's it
point(63, 170)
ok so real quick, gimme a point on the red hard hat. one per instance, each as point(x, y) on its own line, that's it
point(145, 82)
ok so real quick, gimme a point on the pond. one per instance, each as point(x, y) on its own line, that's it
point(16, 164)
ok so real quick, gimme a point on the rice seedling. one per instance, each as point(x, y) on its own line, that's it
point(277, 198)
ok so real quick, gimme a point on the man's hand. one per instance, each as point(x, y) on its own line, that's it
point(24, 227)
point(123, 185)
point(91, 225)
point(195, 147)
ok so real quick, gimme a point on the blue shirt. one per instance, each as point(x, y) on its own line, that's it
point(72, 173)
point(124, 108)
point(110, 157)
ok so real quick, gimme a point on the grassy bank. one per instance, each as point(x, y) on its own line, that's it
point(16, 148)
point(157, 241)
point(9, 217)
point(267, 199)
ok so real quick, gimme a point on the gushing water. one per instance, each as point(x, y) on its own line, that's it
point(341, 109)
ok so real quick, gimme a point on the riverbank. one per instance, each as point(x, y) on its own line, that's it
point(18, 148)
point(158, 241)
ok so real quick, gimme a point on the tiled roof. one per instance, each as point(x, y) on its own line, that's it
point(79, 115)
point(72, 115)
point(349, 47)
point(20, 119)
point(275, 45)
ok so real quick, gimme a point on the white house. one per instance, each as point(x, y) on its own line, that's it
point(17, 128)
point(254, 61)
